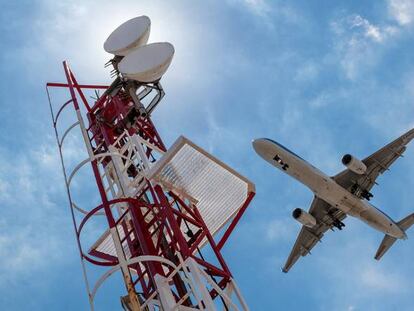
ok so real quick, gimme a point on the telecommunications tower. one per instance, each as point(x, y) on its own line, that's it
point(167, 212)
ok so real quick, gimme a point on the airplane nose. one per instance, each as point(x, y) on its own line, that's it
point(259, 142)
point(259, 145)
point(256, 141)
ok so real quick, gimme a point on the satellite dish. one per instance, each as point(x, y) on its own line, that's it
point(130, 35)
point(147, 63)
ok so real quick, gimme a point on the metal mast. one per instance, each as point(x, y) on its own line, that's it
point(162, 207)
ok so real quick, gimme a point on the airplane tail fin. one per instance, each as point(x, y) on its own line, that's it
point(388, 241)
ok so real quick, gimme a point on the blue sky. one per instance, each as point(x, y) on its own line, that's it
point(324, 78)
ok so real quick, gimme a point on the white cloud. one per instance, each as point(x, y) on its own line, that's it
point(308, 72)
point(369, 30)
point(4, 190)
point(409, 84)
point(359, 43)
point(30, 230)
point(377, 278)
point(281, 229)
point(269, 13)
point(26, 251)
point(348, 265)
point(402, 11)
point(259, 7)
point(321, 100)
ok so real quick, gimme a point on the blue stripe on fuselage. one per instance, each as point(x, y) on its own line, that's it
point(283, 147)
point(380, 211)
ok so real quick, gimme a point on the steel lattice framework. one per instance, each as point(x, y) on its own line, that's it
point(161, 206)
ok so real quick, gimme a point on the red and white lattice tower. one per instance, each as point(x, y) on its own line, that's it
point(162, 207)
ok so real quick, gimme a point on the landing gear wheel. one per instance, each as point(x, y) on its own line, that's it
point(338, 224)
point(366, 195)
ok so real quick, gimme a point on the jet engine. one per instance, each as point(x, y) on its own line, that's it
point(304, 218)
point(354, 164)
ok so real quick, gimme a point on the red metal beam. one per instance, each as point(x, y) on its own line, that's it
point(82, 86)
point(76, 85)
point(236, 219)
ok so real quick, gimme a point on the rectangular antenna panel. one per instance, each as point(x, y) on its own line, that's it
point(218, 191)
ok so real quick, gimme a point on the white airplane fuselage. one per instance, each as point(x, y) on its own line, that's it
point(325, 187)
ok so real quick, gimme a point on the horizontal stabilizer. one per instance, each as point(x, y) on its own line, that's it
point(388, 241)
point(407, 222)
point(385, 245)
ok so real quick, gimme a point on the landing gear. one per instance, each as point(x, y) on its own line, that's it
point(363, 193)
point(338, 224)
point(354, 188)
point(335, 221)
point(366, 195)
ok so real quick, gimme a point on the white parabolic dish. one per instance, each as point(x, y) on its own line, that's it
point(147, 63)
point(128, 36)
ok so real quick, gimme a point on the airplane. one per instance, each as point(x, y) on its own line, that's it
point(336, 197)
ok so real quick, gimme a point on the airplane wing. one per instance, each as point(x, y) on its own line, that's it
point(325, 215)
point(377, 163)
